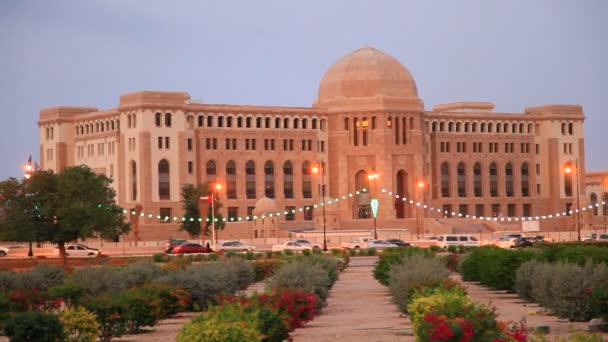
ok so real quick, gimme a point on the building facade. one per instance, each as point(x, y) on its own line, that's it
point(457, 160)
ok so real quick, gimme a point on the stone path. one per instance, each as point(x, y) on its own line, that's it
point(358, 309)
point(511, 308)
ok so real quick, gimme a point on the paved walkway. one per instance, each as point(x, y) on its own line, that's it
point(358, 309)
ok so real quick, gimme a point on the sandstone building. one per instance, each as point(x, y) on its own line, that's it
point(367, 119)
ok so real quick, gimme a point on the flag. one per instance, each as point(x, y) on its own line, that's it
point(206, 198)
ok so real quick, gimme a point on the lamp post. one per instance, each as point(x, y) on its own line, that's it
point(420, 184)
point(373, 177)
point(321, 169)
point(29, 169)
point(568, 170)
point(217, 187)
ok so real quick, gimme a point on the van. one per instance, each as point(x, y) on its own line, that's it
point(447, 240)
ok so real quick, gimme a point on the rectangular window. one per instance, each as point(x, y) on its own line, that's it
point(234, 147)
point(290, 213)
point(190, 167)
point(291, 144)
point(538, 189)
point(165, 215)
point(308, 213)
point(322, 146)
point(463, 209)
point(272, 144)
point(537, 148)
point(253, 144)
point(215, 143)
point(189, 144)
point(479, 212)
point(511, 210)
point(495, 210)
point(538, 169)
point(227, 144)
point(167, 142)
point(233, 213)
point(160, 142)
point(527, 210)
point(250, 213)
point(247, 144)
point(208, 143)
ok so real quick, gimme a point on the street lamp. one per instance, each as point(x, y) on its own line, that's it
point(373, 177)
point(216, 187)
point(316, 169)
point(570, 171)
point(420, 184)
point(29, 169)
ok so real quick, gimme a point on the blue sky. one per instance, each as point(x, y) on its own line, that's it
point(86, 53)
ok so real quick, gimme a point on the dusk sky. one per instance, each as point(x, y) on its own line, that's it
point(515, 54)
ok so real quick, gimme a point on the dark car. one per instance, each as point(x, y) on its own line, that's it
point(399, 243)
point(524, 242)
point(190, 248)
point(170, 244)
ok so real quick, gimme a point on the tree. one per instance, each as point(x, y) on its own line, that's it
point(190, 197)
point(74, 204)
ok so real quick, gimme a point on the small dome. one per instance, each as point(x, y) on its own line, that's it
point(366, 73)
point(265, 206)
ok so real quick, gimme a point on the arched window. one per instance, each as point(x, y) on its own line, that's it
point(201, 120)
point(530, 128)
point(521, 128)
point(498, 127)
point(230, 180)
point(363, 208)
point(361, 181)
point(220, 121)
point(239, 122)
point(157, 119)
point(129, 120)
point(248, 122)
point(288, 180)
point(462, 187)
point(514, 128)
point(211, 171)
point(445, 180)
point(525, 180)
point(168, 119)
point(509, 179)
point(568, 180)
point(277, 123)
point(477, 182)
point(210, 121)
point(250, 179)
point(364, 126)
point(314, 124)
point(493, 180)
point(563, 128)
point(483, 127)
point(434, 126)
point(570, 129)
point(466, 127)
point(134, 122)
point(286, 123)
point(490, 126)
point(474, 127)
point(295, 122)
point(306, 180)
point(450, 126)
point(112, 125)
point(593, 203)
point(458, 127)
point(401, 182)
point(441, 126)
point(190, 122)
point(267, 123)
point(258, 122)
point(304, 124)
point(269, 179)
point(163, 180)
point(133, 181)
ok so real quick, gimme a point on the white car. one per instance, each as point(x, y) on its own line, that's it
point(233, 246)
point(4, 251)
point(291, 246)
point(379, 244)
point(308, 243)
point(78, 250)
point(505, 242)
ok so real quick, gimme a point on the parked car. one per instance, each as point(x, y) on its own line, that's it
point(524, 242)
point(399, 243)
point(186, 248)
point(290, 245)
point(447, 240)
point(379, 244)
point(79, 250)
point(233, 246)
point(356, 243)
point(602, 237)
point(505, 242)
point(170, 244)
point(4, 251)
point(591, 237)
point(316, 246)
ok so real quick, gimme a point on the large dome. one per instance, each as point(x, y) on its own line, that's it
point(366, 73)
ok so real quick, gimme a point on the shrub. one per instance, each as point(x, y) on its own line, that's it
point(33, 326)
point(372, 251)
point(79, 324)
point(98, 280)
point(159, 257)
point(8, 281)
point(302, 275)
point(140, 308)
point(41, 278)
point(598, 302)
point(336, 251)
point(70, 292)
point(278, 254)
point(494, 267)
point(525, 276)
point(265, 268)
point(413, 271)
point(110, 312)
point(435, 248)
point(137, 274)
point(222, 323)
point(306, 252)
point(453, 317)
point(393, 256)
point(250, 255)
point(288, 252)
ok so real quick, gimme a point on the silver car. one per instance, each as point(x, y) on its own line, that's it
point(4, 251)
point(233, 246)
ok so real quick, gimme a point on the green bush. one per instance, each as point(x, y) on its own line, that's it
point(34, 326)
point(79, 324)
point(98, 280)
point(393, 256)
point(265, 268)
point(140, 309)
point(494, 267)
point(137, 274)
point(70, 291)
point(306, 252)
point(110, 312)
point(336, 251)
point(250, 255)
point(222, 323)
point(302, 275)
point(159, 257)
point(8, 281)
point(411, 272)
point(372, 251)
point(574, 252)
point(526, 276)
point(41, 278)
